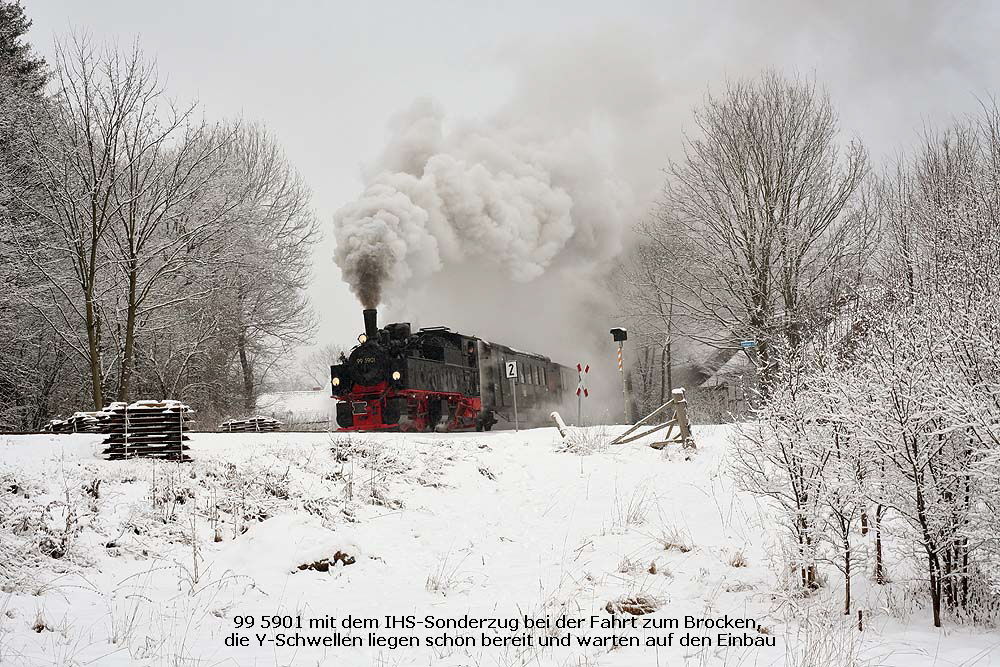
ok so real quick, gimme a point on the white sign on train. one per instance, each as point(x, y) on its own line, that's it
point(511, 369)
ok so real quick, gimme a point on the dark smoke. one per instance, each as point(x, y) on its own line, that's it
point(371, 273)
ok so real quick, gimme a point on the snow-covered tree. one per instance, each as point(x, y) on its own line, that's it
point(771, 204)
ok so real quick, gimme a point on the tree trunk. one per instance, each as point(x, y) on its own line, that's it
point(935, 582)
point(847, 572)
point(933, 562)
point(249, 397)
point(125, 379)
point(94, 351)
point(664, 353)
point(879, 563)
point(667, 371)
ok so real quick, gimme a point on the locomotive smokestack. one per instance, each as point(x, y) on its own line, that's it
point(371, 323)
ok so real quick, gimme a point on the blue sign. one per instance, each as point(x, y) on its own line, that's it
point(748, 343)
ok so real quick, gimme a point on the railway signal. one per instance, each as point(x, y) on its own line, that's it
point(581, 391)
point(620, 335)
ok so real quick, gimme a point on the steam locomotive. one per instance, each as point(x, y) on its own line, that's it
point(437, 379)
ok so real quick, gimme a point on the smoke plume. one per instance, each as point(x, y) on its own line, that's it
point(516, 206)
point(508, 227)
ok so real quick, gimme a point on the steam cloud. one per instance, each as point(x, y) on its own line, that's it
point(509, 228)
point(489, 195)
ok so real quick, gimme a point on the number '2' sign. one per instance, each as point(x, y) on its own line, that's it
point(511, 369)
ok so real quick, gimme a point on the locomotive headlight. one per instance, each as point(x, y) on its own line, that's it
point(362, 339)
point(396, 375)
point(336, 382)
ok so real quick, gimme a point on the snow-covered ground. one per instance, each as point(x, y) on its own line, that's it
point(158, 563)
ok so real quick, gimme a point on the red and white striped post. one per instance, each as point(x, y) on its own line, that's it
point(621, 369)
point(620, 336)
point(581, 391)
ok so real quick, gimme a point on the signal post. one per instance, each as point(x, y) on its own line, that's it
point(620, 335)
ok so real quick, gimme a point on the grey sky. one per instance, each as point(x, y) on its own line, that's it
point(326, 76)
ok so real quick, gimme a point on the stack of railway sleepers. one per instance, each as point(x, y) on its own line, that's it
point(256, 424)
point(55, 426)
point(147, 429)
point(79, 422)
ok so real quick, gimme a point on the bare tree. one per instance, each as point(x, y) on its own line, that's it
point(267, 260)
point(80, 150)
point(124, 175)
point(767, 200)
point(316, 364)
point(159, 218)
point(649, 297)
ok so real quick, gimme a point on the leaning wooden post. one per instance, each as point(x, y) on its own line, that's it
point(560, 424)
point(680, 412)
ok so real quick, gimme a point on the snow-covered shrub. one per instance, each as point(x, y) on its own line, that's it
point(584, 441)
point(890, 433)
point(628, 511)
point(251, 493)
point(737, 559)
point(446, 577)
point(40, 528)
point(347, 447)
point(670, 538)
point(782, 456)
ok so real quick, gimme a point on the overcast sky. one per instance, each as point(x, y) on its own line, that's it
point(326, 76)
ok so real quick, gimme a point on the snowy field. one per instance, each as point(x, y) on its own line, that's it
point(151, 563)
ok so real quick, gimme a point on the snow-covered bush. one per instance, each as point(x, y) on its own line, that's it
point(902, 414)
point(585, 440)
point(783, 456)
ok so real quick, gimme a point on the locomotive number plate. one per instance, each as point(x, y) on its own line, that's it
point(359, 407)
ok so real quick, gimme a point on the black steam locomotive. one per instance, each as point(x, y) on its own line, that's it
point(436, 379)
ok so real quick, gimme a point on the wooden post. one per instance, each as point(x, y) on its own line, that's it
point(560, 424)
point(680, 410)
point(680, 419)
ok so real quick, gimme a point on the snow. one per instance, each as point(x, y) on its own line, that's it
point(450, 525)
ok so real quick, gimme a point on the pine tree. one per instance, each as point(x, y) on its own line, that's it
point(26, 350)
point(18, 63)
